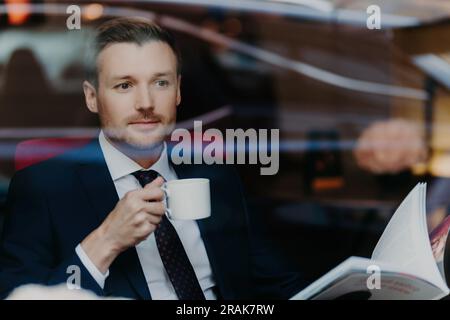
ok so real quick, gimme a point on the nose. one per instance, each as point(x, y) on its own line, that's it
point(144, 99)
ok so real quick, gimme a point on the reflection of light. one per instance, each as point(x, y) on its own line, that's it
point(269, 57)
point(93, 11)
point(18, 11)
point(419, 169)
point(300, 67)
point(321, 5)
point(440, 164)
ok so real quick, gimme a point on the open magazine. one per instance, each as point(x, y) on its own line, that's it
point(406, 263)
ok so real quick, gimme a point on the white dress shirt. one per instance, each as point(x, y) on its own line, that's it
point(120, 167)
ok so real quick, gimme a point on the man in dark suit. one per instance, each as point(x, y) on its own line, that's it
point(96, 214)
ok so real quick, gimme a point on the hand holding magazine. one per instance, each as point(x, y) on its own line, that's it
point(404, 265)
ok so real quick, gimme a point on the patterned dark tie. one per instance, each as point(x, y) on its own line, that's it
point(174, 258)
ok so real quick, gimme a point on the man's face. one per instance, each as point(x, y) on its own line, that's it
point(138, 92)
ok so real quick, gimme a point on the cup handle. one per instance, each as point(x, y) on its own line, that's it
point(167, 211)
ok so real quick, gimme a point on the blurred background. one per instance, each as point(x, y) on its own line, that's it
point(363, 113)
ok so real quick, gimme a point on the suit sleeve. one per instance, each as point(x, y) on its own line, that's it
point(28, 250)
point(274, 277)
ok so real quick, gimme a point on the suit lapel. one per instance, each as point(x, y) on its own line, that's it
point(102, 194)
point(97, 181)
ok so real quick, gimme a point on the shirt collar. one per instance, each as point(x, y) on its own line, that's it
point(120, 165)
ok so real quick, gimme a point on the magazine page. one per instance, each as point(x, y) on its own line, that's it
point(438, 240)
point(405, 241)
point(327, 280)
point(393, 286)
point(349, 281)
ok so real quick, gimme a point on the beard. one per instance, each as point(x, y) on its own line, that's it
point(138, 143)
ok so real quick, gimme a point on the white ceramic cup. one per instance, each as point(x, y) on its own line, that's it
point(187, 199)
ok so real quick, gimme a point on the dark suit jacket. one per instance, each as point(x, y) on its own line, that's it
point(52, 206)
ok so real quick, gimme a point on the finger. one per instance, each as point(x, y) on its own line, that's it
point(140, 218)
point(154, 219)
point(154, 208)
point(144, 231)
point(158, 182)
point(151, 194)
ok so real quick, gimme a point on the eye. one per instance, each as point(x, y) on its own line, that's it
point(162, 83)
point(123, 86)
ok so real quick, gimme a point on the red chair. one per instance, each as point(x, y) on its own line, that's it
point(33, 151)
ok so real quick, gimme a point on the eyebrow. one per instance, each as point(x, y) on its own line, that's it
point(156, 75)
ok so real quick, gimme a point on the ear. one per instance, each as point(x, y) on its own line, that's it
point(90, 95)
point(179, 90)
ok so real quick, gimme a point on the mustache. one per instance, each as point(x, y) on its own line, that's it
point(146, 117)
